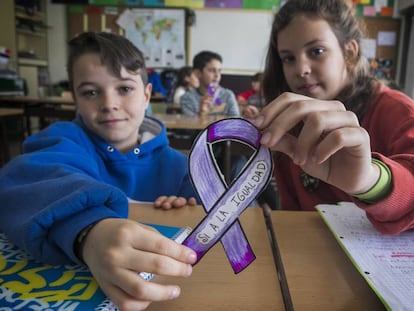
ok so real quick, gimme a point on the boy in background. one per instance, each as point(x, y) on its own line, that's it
point(209, 98)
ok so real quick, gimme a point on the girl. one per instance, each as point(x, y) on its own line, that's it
point(68, 191)
point(252, 101)
point(186, 80)
point(339, 134)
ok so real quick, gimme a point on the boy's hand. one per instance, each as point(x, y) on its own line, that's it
point(116, 250)
point(205, 104)
point(166, 202)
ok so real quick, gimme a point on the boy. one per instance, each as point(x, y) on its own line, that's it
point(210, 98)
point(64, 199)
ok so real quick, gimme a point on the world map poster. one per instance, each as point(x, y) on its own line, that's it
point(159, 34)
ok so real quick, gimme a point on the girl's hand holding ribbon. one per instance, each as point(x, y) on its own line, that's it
point(322, 137)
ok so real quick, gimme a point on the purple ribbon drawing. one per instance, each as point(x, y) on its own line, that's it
point(222, 203)
point(213, 90)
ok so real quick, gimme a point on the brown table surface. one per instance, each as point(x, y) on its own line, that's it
point(43, 107)
point(57, 100)
point(5, 112)
point(172, 121)
point(319, 273)
point(53, 100)
point(180, 121)
point(213, 284)
point(4, 143)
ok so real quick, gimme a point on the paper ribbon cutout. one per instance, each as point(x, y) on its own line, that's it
point(213, 90)
point(224, 204)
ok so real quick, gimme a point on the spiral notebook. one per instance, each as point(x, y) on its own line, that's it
point(385, 261)
point(26, 284)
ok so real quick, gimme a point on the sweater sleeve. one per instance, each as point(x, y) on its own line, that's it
point(52, 192)
point(391, 128)
point(180, 91)
point(395, 213)
point(246, 94)
point(189, 104)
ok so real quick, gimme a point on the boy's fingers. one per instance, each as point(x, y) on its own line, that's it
point(160, 245)
point(158, 202)
point(179, 202)
point(134, 293)
point(123, 300)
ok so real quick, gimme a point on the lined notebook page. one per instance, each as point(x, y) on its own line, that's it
point(385, 261)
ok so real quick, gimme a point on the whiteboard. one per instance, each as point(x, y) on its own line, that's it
point(239, 36)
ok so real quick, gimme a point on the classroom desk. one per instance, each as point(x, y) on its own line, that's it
point(37, 99)
point(53, 100)
point(4, 144)
point(6, 112)
point(158, 98)
point(319, 274)
point(184, 122)
point(42, 107)
point(213, 284)
point(64, 108)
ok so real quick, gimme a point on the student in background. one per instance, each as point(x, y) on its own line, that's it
point(209, 98)
point(252, 100)
point(155, 79)
point(186, 80)
point(339, 134)
point(65, 199)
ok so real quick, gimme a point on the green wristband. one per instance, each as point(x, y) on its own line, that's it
point(381, 188)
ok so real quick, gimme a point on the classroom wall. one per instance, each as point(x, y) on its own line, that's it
point(240, 36)
point(57, 41)
point(402, 5)
point(409, 77)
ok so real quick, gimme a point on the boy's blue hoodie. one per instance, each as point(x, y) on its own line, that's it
point(68, 178)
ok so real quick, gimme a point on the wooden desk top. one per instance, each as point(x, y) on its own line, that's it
point(213, 284)
point(5, 112)
point(158, 98)
point(31, 100)
point(67, 100)
point(179, 121)
point(319, 273)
